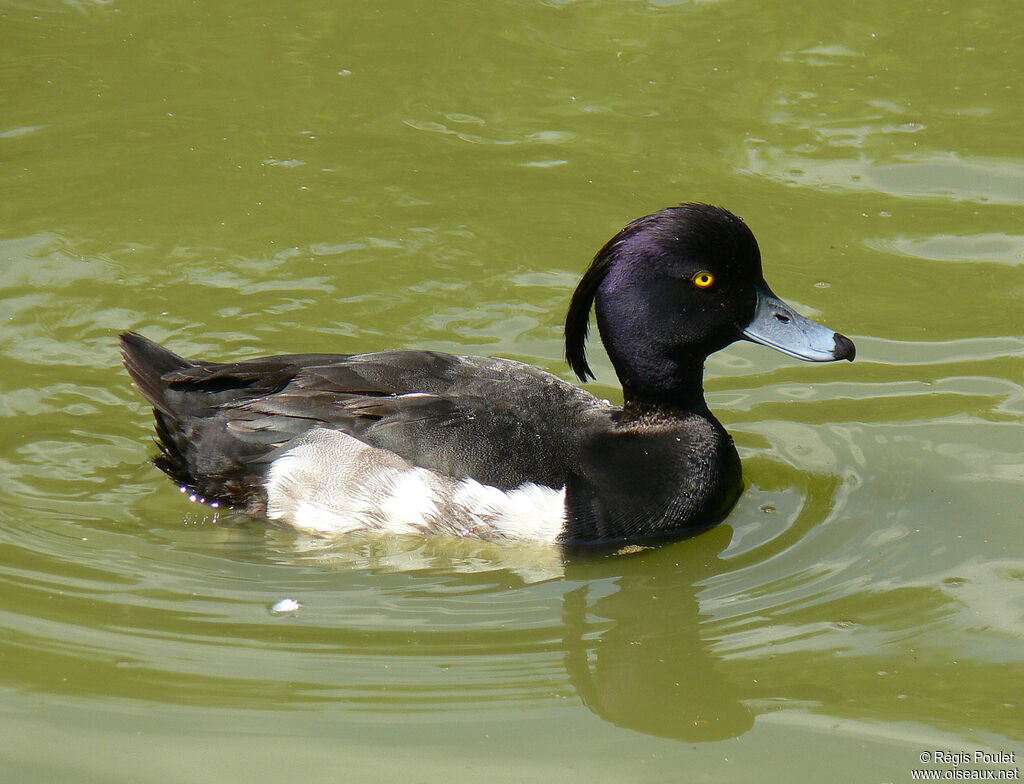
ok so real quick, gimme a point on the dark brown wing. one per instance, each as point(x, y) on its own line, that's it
point(219, 425)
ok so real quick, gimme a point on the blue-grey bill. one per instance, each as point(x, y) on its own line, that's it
point(776, 325)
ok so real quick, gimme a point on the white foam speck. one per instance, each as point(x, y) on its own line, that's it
point(285, 606)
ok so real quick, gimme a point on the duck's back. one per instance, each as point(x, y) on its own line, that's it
point(497, 423)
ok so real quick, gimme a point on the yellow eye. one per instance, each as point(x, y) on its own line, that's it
point(703, 279)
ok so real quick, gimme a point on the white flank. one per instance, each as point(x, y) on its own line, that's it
point(527, 512)
point(331, 483)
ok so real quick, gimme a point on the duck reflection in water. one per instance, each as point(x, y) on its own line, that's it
point(636, 647)
point(648, 668)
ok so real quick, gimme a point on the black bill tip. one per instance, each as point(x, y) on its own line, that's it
point(844, 348)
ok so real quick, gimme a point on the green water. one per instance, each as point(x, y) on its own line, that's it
point(246, 178)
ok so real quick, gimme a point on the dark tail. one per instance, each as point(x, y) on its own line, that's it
point(148, 363)
point(196, 448)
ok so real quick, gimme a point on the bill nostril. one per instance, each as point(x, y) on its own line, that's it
point(782, 317)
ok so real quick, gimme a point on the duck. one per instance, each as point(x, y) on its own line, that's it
point(427, 442)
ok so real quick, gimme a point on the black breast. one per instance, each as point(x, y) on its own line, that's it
point(657, 478)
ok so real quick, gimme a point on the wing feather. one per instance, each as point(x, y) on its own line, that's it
point(497, 421)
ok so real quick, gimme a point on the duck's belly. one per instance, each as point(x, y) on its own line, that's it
point(332, 483)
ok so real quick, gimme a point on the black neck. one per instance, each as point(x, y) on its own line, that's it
point(676, 390)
